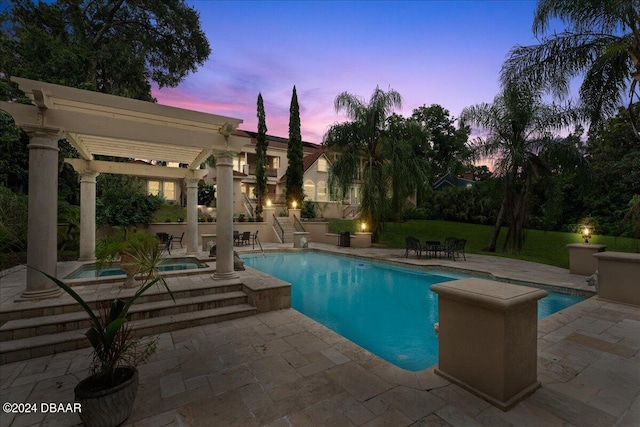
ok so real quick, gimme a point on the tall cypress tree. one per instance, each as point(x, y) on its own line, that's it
point(295, 172)
point(261, 157)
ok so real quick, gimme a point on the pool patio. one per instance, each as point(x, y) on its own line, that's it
point(284, 369)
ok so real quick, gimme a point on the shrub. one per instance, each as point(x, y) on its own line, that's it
point(241, 218)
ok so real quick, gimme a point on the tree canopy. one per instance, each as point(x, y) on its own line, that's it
point(601, 42)
point(378, 149)
point(294, 190)
point(521, 142)
point(261, 157)
point(110, 46)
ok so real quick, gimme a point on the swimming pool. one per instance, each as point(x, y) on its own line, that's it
point(89, 271)
point(388, 310)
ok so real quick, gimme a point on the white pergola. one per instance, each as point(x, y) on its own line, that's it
point(100, 124)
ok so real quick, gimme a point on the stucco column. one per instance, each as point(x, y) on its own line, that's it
point(42, 236)
point(87, 215)
point(192, 216)
point(224, 220)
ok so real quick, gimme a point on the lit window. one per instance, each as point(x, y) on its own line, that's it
point(322, 191)
point(275, 162)
point(169, 190)
point(154, 187)
point(322, 164)
point(309, 189)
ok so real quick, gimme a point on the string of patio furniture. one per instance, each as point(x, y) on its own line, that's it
point(452, 248)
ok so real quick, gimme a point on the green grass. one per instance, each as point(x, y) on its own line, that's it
point(546, 247)
point(169, 212)
point(340, 225)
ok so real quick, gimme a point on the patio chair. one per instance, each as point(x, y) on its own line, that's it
point(448, 248)
point(245, 237)
point(458, 248)
point(165, 244)
point(236, 237)
point(412, 244)
point(177, 239)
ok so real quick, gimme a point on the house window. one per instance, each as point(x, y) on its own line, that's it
point(169, 190)
point(322, 191)
point(238, 164)
point(275, 162)
point(322, 164)
point(309, 189)
point(154, 187)
point(166, 189)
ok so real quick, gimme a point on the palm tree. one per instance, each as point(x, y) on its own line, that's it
point(366, 137)
point(602, 42)
point(521, 143)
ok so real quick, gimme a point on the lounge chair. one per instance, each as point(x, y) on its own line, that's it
point(412, 244)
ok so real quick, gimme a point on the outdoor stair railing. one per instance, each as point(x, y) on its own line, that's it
point(248, 205)
point(278, 228)
point(352, 210)
point(297, 224)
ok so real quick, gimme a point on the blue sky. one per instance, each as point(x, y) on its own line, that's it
point(431, 52)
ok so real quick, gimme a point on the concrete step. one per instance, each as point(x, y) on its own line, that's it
point(67, 305)
point(42, 345)
point(42, 325)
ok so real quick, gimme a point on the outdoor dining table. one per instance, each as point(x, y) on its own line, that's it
point(432, 248)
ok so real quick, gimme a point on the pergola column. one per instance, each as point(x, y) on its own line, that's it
point(87, 215)
point(42, 233)
point(224, 219)
point(192, 216)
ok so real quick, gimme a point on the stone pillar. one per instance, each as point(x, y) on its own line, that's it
point(42, 236)
point(292, 213)
point(224, 221)
point(618, 274)
point(581, 260)
point(87, 215)
point(488, 338)
point(192, 216)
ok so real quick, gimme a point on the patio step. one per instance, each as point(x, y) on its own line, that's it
point(42, 325)
point(54, 307)
point(59, 325)
point(42, 345)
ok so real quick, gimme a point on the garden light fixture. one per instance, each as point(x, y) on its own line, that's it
point(586, 233)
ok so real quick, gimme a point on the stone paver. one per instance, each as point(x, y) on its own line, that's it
point(284, 369)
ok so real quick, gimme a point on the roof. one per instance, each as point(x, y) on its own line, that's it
point(307, 162)
point(449, 180)
point(276, 141)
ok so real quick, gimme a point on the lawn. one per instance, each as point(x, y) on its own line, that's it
point(170, 213)
point(546, 247)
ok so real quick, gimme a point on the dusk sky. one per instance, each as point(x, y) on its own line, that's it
point(431, 52)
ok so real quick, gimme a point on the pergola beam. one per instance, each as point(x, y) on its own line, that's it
point(127, 168)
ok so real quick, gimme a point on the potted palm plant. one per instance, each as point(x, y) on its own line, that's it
point(107, 396)
point(131, 249)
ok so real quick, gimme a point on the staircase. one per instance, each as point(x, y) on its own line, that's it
point(288, 229)
point(25, 334)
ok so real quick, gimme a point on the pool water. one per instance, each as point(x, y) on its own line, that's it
point(89, 271)
point(388, 310)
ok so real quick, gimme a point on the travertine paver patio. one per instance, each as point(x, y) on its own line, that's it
point(282, 369)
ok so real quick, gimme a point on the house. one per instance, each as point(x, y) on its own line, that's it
point(450, 180)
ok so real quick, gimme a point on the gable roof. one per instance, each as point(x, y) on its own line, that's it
point(449, 180)
point(307, 162)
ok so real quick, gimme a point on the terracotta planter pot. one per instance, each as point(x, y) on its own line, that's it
point(107, 408)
